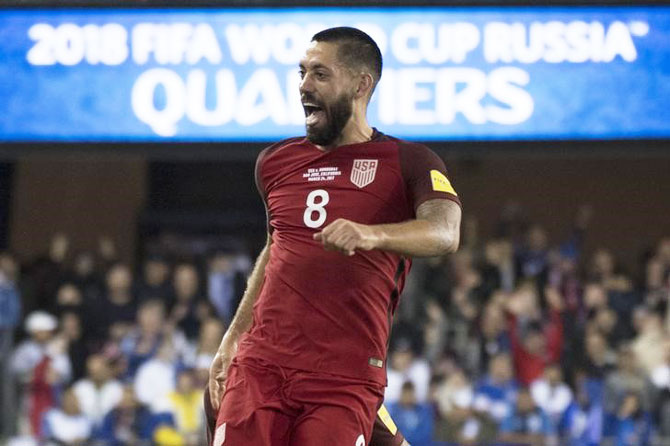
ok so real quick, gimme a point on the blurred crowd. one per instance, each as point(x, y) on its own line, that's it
point(109, 356)
point(520, 340)
point(514, 339)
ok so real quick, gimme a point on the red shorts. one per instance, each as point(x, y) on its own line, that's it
point(266, 405)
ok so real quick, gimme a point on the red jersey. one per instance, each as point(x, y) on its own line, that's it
point(320, 310)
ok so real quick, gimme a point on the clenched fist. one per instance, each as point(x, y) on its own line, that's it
point(346, 236)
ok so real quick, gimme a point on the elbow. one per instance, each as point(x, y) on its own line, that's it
point(449, 242)
point(453, 245)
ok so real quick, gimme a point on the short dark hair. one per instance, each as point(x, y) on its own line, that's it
point(355, 49)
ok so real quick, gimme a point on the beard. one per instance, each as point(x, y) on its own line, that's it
point(336, 114)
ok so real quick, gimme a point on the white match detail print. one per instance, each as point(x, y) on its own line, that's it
point(219, 435)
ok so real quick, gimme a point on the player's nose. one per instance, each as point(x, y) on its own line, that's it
point(306, 85)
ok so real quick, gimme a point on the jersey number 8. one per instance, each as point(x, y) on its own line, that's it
point(315, 209)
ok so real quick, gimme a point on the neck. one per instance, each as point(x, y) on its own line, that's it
point(357, 130)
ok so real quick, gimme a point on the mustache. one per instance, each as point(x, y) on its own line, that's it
point(308, 97)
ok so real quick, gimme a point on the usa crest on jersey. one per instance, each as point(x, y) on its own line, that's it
point(363, 172)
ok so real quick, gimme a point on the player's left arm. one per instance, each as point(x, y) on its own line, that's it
point(434, 232)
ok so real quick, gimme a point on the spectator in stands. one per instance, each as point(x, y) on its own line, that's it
point(595, 297)
point(211, 332)
point(406, 366)
point(599, 359)
point(533, 256)
point(633, 424)
point(658, 271)
point(628, 379)
point(414, 419)
point(454, 397)
point(130, 423)
point(143, 341)
point(598, 363)
point(499, 269)
point(155, 279)
point(10, 318)
point(495, 394)
point(189, 307)
point(41, 365)
point(527, 423)
point(435, 329)
point(551, 394)
point(47, 272)
point(184, 404)
point(86, 276)
point(648, 345)
point(71, 334)
point(107, 251)
point(98, 392)
point(605, 321)
point(156, 377)
point(583, 421)
point(660, 393)
point(116, 310)
point(67, 425)
point(466, 297)
point(493, 338)
point(68, 299)
point(225, 284)
point(618, 286)
point(541, 345)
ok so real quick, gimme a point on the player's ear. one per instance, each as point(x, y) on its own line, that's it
point(365, 82)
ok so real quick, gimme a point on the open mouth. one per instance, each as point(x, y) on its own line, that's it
point(313, 113)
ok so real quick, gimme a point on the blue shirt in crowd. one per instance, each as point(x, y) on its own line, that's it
point(535, 422)
point(415, 422)
point(10, 305)
point(495, 399)
point(583, 425)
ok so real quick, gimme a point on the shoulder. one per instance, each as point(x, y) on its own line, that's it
point(403, 146)
point(277, 147)
point(271, 152)
point(412, 153)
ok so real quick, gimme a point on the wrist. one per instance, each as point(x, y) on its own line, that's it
point(376, 237)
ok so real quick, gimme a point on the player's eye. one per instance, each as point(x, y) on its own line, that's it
point(321, 75)
point(302, 74)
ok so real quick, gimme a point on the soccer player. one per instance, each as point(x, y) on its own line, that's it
point(304, 360)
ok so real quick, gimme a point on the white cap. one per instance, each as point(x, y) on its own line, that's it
point(40, 321)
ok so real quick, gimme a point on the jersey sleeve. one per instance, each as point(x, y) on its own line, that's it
point(258, 176)
point(260, 185)
point(425, 175)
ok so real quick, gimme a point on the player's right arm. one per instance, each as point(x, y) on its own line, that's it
point(243, 318)
point(240, 324)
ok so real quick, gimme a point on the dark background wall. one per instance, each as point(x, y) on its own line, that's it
point(6, 170)
point(82, 196)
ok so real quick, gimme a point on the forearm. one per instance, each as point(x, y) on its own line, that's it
point(244, 315)
point(416, 238)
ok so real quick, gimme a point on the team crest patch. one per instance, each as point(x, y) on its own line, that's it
point(363, 172)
